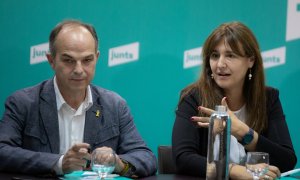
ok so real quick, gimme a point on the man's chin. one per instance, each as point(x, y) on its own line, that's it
point(79, 88)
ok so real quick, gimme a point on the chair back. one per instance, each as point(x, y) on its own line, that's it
point(166, 165)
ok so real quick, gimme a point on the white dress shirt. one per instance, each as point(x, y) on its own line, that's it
point(71, 123)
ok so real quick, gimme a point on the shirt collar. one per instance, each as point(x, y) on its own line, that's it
point(60, 101)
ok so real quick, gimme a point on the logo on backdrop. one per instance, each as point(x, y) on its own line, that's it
point(38, 53)
point(271, 58)
point(123, 54)
point(293, 20)
point(192, 58)
point(274, 57)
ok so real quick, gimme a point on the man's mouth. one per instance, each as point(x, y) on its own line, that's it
point(77, 79)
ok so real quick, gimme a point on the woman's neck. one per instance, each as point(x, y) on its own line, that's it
point(235, 99)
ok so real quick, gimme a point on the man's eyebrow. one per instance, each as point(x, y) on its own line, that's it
point(89, 56)
point(66, 55)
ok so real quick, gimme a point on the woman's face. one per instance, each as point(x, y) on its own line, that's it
point(229, 70)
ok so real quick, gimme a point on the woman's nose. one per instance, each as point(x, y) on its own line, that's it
point(221, 62)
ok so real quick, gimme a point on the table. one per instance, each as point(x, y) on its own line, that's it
point(15, 176)
point(171, 177)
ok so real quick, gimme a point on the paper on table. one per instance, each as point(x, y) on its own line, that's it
point(290, 172)
point(91, 173)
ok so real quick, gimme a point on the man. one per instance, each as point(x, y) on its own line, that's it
point(50, 127)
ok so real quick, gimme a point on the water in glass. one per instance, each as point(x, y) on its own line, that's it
point(103, 162)
point(257, 163)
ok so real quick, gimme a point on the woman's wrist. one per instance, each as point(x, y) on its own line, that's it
point(237, 171)
point(240, 130)
point(231, 165)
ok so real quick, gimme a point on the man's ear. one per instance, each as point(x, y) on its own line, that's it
point(50, 60)
point(97, 55)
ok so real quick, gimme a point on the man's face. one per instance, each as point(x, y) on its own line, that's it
point(75, 60)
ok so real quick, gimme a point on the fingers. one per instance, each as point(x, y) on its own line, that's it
point(200, 121)
point(105, 148)
point(104, 156)
point(274, 172)
point(78, 146)
point(205, 110)
point(224, 102)
point(80, 150)
point(104, 153)
point(269, 176)
point(76, 158)
point(70, 164)
point(204, 121)
point(119, 165)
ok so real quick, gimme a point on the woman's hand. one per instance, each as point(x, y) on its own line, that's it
point(272, 173)
point(202, 121)
point(238, 128)
point(240, 172)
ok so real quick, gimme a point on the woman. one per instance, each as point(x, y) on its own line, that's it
point(232, 75)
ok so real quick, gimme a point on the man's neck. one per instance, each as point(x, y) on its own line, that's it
point(74, 99)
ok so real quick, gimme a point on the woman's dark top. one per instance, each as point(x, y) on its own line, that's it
point(189, 142)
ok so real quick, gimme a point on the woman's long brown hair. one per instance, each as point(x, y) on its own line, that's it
point(242, 42)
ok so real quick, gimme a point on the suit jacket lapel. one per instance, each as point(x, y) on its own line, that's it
point(48, 111)
point(93, 118)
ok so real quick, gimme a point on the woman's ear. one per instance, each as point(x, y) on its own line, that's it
point(251, 61)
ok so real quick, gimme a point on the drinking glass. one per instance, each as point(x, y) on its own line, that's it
point(103, 162)
point(257, 163)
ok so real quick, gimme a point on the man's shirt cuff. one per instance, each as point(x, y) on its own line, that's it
point(58, 166)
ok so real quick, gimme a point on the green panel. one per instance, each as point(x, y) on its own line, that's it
point(164, 29)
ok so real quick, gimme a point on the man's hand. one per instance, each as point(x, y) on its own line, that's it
point(119, 163)
point(76, 158)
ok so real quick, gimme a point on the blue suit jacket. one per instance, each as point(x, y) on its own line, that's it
point(29, 132)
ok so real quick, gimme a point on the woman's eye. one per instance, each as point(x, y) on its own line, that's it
point(214, 56)
point(230, 56)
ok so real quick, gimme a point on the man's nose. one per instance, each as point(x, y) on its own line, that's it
point(78, 68)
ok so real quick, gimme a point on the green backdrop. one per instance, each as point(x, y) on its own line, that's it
point(164, 30)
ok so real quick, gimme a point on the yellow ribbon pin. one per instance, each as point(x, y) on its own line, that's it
point(97, 113)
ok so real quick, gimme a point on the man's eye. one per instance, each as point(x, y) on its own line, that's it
point(88, 60)
point(68, 60)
